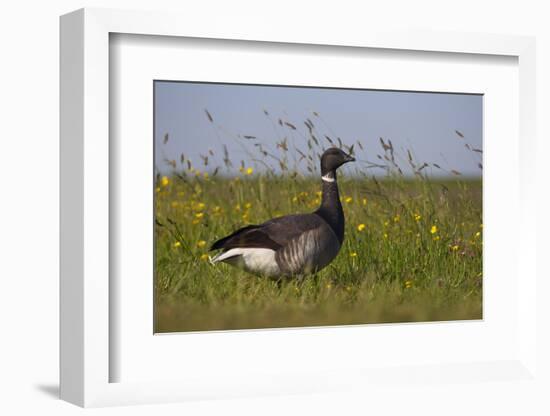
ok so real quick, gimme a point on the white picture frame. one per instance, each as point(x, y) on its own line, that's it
point(85, 217)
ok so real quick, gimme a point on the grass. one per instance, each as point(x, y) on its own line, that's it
point(412, 252)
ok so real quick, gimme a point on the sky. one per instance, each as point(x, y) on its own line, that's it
point(424, 123)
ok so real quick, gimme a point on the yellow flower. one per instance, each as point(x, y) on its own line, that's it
point(353, 254)
point(329, 286)
point(249, 171)
point(177, 244)
point(201, 243)
point(157, 189)
point(200, 206)
point(436, 238)
point(164, 181)
point(396, 218)
point(386, 223)
point(199, 215)
point(248, 205)
point(477, 234)
point(408, 284)
point(454, 248)
point(318, 193)
point(361, 227)
point(385, 235)
point(417, 217)
point(204, 257)
point(364, 201)
point(295, 199)
point(349, 200)
point(433, 230)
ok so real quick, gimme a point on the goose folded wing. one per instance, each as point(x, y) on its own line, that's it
point(272, 234)
point(283, 230)
point(251, 236)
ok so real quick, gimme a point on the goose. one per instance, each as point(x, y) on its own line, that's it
point(292, 245)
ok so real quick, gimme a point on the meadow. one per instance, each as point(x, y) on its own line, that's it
point(412, 249)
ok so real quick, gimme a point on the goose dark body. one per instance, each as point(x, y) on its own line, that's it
point(292, 245)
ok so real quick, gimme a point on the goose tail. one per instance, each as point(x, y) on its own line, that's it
point(224, 256)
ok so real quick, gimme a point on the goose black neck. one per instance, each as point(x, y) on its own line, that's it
point(331, 208)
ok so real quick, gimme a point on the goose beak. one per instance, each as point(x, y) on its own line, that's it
point(349, 158)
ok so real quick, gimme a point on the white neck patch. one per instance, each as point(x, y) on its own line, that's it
point(328, 177)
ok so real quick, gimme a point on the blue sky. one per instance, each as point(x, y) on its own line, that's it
point(425, 123)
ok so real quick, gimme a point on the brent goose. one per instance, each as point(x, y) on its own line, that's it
point(293, 245)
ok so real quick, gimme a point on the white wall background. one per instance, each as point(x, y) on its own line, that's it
point(29, 181)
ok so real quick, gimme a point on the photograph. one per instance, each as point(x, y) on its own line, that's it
point(279, 206)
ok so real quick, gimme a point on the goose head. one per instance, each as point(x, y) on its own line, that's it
point(333, 158)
